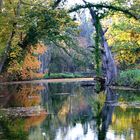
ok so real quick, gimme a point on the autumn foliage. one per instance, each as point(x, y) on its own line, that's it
point(34, 121)
point(27, 68)
point(31, 63)
point(124, 37)
point(27, 96)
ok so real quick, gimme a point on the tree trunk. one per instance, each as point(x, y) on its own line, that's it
point(108, 61)
point(6, 52)
point(8, 45)
point(1, 4)
point(107, 58)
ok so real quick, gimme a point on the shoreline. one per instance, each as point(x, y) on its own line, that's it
point(66, 80)
point(48, 81)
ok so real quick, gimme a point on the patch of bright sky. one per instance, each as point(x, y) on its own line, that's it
point(73, 2)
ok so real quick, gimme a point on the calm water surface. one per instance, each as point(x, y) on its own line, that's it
point(68, 111)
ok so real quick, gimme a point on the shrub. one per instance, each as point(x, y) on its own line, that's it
point(129, 78)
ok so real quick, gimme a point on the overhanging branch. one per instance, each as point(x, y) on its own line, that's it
point(100, 6)
point(56, 3)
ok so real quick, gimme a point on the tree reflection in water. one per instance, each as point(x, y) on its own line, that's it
point(84, 107)
point(74, 112)
point(107, 112)
point(21, 111)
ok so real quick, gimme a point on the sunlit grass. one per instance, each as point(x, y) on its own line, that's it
point(62, 75)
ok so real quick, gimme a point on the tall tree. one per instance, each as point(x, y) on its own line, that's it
point(38, 21)
point(107, 57)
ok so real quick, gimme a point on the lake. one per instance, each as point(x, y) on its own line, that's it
point(68, 111)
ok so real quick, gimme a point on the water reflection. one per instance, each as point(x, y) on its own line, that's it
point(67, 111)
point(107, 112)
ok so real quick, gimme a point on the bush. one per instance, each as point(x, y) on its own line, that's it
point(129, 78)
point(62, 75)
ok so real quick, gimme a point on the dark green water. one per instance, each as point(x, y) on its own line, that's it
point(67, 111)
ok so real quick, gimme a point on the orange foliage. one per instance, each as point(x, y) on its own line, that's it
point(38, 48)
point(31, 63)
point(27, 96)
point(25, 68)
point(34, 121)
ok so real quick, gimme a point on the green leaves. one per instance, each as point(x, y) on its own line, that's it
point(124, 36)
point(48, 24)
point(130, 78)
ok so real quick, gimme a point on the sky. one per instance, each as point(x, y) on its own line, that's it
point(72, 2)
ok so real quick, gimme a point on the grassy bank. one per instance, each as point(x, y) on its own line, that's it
point(62, 75)
point(129, 78)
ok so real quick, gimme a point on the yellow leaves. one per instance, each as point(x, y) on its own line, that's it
point(121, 37)
point(13, 55)
point(138, 41)
point(14, 67)
point(124, 35)
point(111, 41)
point(126, 55)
